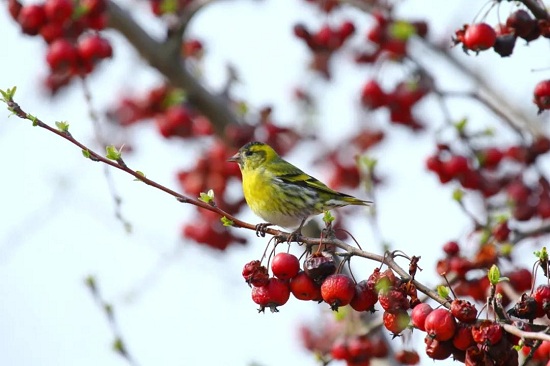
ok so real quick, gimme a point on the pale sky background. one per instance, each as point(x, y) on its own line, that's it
point(178, 303)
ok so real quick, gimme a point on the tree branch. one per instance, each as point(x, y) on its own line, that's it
point(535, 7)
point(166, 58)
point(118, 163)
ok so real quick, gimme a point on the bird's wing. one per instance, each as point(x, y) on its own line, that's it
point(289, 174)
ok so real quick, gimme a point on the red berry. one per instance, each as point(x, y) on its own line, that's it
point(393, 300)
point(542, 297)
point(491, 157)
point(51, 31)
point(14, 8)
point(479, 37)
point(487, 333)
point(456, 165)
point(464, 311)
point(440, 324)
point(436, 349)
point(275, 293)
point(451, 248)
point(339, 350)
point(501, 231)
point(31, 18)
point(520, 279)
point(542, 95)
point(255, 274)
point(176, 121)
point(365, 297)
point(419, 314)
point(61, 55)
point(346, 29)
point(58, 11)
point(405, 357)
point(396, 322)
point(463, 337)
point(285, 266)
point(304, 288)
point(94, 48)
point(337, 290)
point(372, 95)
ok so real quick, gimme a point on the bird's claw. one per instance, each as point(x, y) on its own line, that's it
point(261, 229)
point(294, 236)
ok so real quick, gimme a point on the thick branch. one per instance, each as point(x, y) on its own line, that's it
point(538, 11)
point(166, 58)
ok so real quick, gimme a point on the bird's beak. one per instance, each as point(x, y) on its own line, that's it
point(235, 158)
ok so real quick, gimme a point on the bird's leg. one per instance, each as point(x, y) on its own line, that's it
point(261, 228)
point(296, 233)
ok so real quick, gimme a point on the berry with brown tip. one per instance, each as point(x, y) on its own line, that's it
point(275, 293)
point(365, 297)
point(541, 95)
point(304, 288)
point(255, 274)
point(463, 311)
point(396, 322)
point(337, 290)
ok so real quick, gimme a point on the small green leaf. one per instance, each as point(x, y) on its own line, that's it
point(461, 125)
point(383, 284)
point(119, 347)
point(108, 309)
point(341, 314)
point(33, 119)
point(489, 131)
point(112, 153)
point(368, 162)
point(141, 174)
point(176, 96)
point(226, 222)
point(8, 94)
point(91, 283)
point(242, 108)
point(328, 218)
point(62, 126)
point(458, 194)
point(443, 291)
point(506, 249)
point(402, 30)
point(485, 236)
point(494, 275)
point(86, 154)
point(542, 254)
point(207, 197)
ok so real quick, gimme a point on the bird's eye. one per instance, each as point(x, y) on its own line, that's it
point(248, 153)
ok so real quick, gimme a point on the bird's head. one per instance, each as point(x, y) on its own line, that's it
point(253, 155)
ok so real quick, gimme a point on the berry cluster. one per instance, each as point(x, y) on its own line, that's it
point(494, 170)
point(324, 43)
point(70, 30)
point(399, 101)
point(389, 38)
point(502, 38)
point(520, 24)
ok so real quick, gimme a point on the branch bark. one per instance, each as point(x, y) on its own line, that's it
point(166, 58)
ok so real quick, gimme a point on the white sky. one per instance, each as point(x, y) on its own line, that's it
point(178, 303)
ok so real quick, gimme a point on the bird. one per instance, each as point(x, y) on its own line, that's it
point(282, 194)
